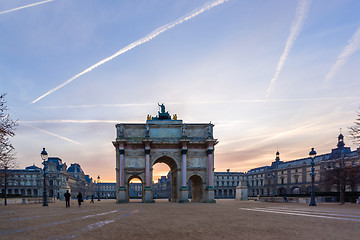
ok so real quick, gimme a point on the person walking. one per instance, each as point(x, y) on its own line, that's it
point(79, 198)
point(67, 196)
point(92, 199)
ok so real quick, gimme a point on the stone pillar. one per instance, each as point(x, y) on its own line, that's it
point(122, 194)
point(147, 191)
point(210, 191)
point(242, 191)
point(210, 154)
point(183, 166)
point(147, 167)
point(121, 167)
point(184, 191)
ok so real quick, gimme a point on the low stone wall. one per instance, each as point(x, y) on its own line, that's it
point(325, 199)
point(26, 200)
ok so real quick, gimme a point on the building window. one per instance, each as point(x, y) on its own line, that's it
point(282, 180)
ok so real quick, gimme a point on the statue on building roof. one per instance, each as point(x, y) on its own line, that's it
point(162, 114)
point(162, 106)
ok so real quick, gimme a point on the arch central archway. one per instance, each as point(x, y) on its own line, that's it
point(173, 175)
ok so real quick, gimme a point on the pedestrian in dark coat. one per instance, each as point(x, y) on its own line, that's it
point(67, 196)
point(92, 199)
point(79, 198)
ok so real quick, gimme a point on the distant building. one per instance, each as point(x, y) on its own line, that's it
point(106, 190)
point(293, 177)
point(30, 181)
point(162, 189)
point(225, 183)
point(135, 190)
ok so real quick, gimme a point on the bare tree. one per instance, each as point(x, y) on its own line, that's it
point(7, 155)
point(341, 175)
point(355, 130)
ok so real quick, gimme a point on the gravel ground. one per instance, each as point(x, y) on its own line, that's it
point(227, 219)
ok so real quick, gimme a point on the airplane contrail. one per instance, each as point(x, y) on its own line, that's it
point(301, 13)
point(52, 134)
point(205, 102)
point(145, 39)
point(352, 47)
point(71, 121)
point(30, 5)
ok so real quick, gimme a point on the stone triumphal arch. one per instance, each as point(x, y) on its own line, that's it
point(188, 150)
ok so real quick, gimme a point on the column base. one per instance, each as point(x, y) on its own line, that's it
point(148, 198)
point(184, 195)
point(209, 195)
point(122, 195)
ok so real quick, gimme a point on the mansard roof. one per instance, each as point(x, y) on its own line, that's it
point(75, 168)
point(55, 160)
point(33, 168)
point(88, 179)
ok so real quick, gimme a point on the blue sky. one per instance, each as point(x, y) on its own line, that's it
point(271, 75)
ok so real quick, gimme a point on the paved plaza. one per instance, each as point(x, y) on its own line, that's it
point(227, 219)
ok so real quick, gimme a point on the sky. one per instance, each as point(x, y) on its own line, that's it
point(271, 75)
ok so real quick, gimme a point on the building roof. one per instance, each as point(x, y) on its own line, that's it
point(75, 168)
point(33, 167)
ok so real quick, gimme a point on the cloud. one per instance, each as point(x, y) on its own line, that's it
point(296, 26)
point(52, 134)
point(30, 5)
point(352, 47)
point(145, 39)
point(205, 102)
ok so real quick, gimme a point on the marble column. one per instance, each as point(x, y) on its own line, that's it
point(121, 167)
point(210, 153)
point(122, 193)
point(147, 191)
point(184, 191)
point(209, 191)
point(183, 167)
point(147, 167)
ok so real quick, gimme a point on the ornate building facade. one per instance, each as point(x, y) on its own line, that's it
point(293, 177)
point(29, 182)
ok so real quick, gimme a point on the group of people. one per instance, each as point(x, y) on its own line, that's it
point(79, 197)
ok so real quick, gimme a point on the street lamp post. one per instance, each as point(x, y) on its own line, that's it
point(312, 155)
point(98, 181)
point(44, 157)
